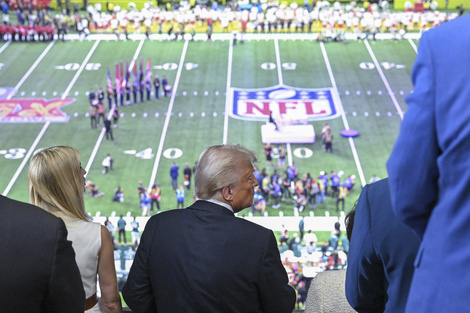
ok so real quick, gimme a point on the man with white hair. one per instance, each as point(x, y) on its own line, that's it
point(210, 260)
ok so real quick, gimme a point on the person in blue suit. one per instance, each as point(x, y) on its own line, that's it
point(381, 254)
point(429, 169)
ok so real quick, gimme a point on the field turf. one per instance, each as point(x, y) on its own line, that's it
point(371, 78)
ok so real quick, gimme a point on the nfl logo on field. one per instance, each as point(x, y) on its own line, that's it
point(284, 102)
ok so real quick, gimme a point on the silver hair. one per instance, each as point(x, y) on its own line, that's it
point(218, 167)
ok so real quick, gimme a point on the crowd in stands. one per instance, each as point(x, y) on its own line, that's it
point(329, 20)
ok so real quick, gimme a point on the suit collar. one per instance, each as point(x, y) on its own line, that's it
point(210, 207)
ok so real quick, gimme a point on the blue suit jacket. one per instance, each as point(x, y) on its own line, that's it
point(381, 254)
point(204, 259)
point(429, 169)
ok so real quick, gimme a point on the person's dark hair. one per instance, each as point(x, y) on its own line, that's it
point(349, 221)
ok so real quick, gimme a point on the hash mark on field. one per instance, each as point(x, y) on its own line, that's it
point(22, 93)
point(75, 114)
point(358, 93)
point(369, 92)
point(354, 113)
point(216, 93)
point(366, 114)
point(379, 92)
point(191, 114)
point(33, 93)
point(54, 93)
point(389, 114)
point(195, 93)
point(203, 114)
point(76, 93)
point(184, 93)
point(214, 114)
point(145, 114)
point(402, 92)
point(157, 114)
point(133, 114)
point(377, 114)
point(180, 114)
point(346, 92)
point(206, 93)
point(44, 93)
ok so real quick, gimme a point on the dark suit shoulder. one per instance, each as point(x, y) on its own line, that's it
point(13, 208)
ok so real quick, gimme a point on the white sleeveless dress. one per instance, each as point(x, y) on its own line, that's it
point(86, 241)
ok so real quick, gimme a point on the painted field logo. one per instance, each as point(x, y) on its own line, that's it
point(33, 110)
point(285, 102)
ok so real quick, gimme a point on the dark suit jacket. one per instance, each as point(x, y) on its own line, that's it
point(429, 169)
point(38, 271)
point(381, 254)
point(204, 259)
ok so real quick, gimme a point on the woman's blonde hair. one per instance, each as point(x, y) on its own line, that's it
point(55, 182)
point(218, 167)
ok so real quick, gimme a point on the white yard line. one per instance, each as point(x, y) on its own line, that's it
point(228, 93)
point(5, 46)
point(384, 79)
point(343, 115)
point(31, 69)
point(412, 43)
point(168, 115)
point(46, 125)
point(281, 82)
point(278, 61)
point(110, 114)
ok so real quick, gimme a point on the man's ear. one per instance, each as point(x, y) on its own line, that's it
point(227, 193)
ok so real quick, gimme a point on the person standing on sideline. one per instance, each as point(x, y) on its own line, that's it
point(302, 227)
point(56, 183)
point(187, 176)
point(174, 175)
point(429, 169)
point(155, 196)
point(38, 272)
point(156, 84)
point(180, 195)
point(135, 232)
point(122, 229)
point(109, 130)
point(107, 163)
point(235, 264)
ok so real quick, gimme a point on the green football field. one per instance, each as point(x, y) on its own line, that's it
point(369, 81)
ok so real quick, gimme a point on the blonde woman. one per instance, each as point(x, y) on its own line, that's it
point(56, 183)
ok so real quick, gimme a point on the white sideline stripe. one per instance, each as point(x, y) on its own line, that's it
point(46, 125)
point(412, 43)
point(281, 82)
point(168, 115)
point(228, 93)
point(5, 46)
point(110, 114)
point(31, 69)
point(343, 116)
point(384, 79)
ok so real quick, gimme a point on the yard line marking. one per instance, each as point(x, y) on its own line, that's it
point(31, 69)
point(46, 125)
point(281, 82)
point(5, 46)
point(384, 79)
point(110, 114)
point(228, 94)
point(278, 61)
point(168, 115)
point(412, 43)
point(343, 115)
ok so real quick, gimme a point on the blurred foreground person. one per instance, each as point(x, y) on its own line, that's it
point(38, 272)
point(381, 254)
point(56, 183)
point(210, 260)
point(429, 169)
